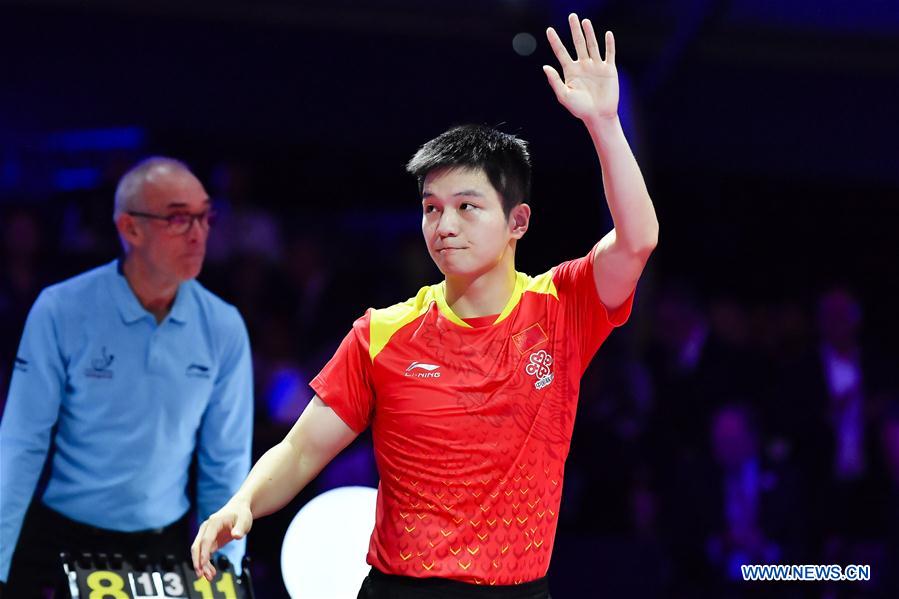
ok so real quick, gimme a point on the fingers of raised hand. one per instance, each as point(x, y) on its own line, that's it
point(610, 48)
point(586, 44)
point(577, 36)
point(555, 82)
point(592, 44)
point(555, 42)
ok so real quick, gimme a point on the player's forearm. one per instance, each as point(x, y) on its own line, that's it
point(636, 226)
point(279, 475)
point(285, 469)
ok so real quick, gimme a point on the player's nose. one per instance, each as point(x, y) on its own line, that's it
point(448, 225)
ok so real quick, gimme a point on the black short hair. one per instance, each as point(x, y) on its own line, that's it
point(504, 158)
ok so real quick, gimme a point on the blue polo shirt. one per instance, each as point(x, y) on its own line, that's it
point(125, 402)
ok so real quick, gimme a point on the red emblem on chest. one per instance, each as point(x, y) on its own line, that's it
point(529, 338)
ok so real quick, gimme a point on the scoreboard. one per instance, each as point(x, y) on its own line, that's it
point(102, 576)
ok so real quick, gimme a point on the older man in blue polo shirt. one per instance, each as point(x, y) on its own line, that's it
point(126, 371)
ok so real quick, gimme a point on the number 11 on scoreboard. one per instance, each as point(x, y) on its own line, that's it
point(224, 586)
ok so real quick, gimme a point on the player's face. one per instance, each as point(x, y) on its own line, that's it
point(465, 228)
point(177, 256)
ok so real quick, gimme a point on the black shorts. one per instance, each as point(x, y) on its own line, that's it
point(45, 533)
point(378, 585)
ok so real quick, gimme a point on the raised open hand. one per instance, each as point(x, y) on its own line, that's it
point(590, 87)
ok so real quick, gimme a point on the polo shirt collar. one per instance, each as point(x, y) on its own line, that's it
point(179, 310)
point(129, 306)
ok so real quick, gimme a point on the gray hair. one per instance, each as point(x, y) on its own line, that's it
point(128, 191)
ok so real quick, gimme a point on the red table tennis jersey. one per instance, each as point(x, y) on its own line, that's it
point(471, 425)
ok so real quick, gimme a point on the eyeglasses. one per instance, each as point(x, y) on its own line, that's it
point(180, 223)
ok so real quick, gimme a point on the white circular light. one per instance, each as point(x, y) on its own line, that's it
point(324, 549)
point(524, 44)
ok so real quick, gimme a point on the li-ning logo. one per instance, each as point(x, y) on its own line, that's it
point(423, 371)
point(198, 371)
point(21, 364)
point(100, 366)
point(539, 366)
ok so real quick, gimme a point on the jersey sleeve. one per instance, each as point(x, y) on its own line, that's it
point(587, 318)
point(345, 383)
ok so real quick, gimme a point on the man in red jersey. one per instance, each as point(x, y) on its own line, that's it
point(471, 386)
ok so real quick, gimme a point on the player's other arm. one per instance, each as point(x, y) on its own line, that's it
point(590, 92)
point(283, 471)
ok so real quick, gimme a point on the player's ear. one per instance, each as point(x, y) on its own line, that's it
point(519, 218)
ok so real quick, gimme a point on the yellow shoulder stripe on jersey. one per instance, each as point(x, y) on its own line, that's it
point(541, 284)
point(384, 323)
point(526, 284)
point(443, 306)
point(387, 321)
point(523, 283)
